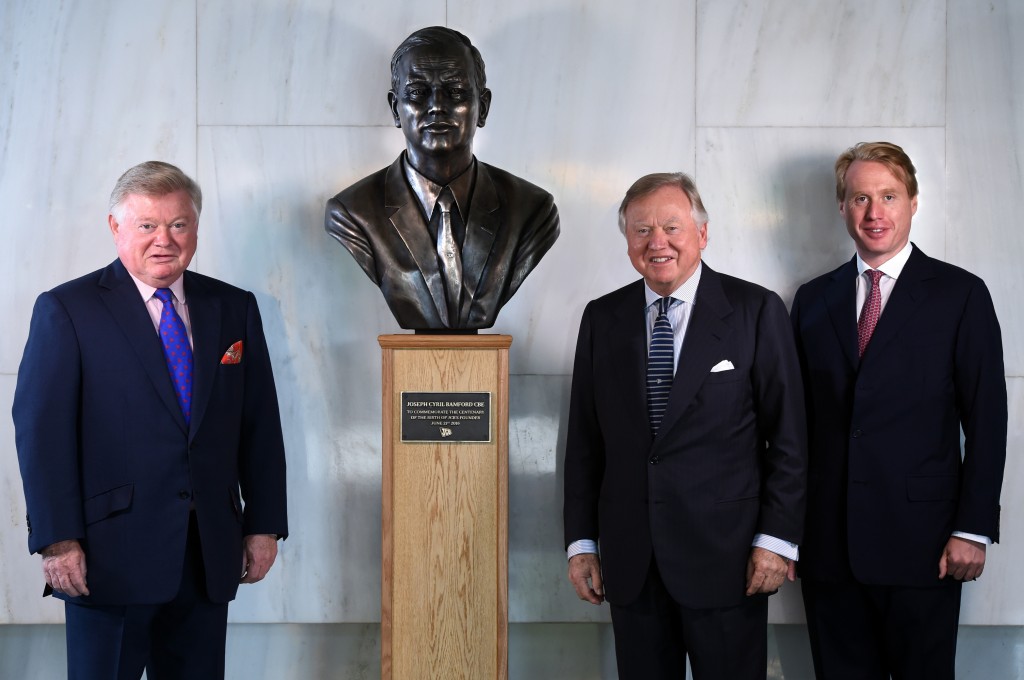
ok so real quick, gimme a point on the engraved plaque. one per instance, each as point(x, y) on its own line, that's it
point(446, 417)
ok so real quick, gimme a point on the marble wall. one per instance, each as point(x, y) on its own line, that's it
point(274, 106)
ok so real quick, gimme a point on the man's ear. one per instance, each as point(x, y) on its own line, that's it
point(485, 107)
point(393, 105)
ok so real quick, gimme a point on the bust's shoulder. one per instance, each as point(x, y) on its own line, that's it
point(510, 184)
point(371, 185)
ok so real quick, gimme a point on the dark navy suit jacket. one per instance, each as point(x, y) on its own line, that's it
point(729, 458)
point(887, 485)
point(106, 457)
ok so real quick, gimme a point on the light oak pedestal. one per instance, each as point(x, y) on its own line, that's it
point(444, 600)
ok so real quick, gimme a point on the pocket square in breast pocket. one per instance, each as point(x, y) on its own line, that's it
point(233, 355)
point(723, 365)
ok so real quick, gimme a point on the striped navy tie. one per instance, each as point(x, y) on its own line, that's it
point(660, 365)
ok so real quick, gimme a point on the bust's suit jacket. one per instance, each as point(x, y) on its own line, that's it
point(106, 456)
point(729, 458)
point(886, 483)
point(511, 224)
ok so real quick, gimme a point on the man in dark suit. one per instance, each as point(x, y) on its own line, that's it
point(447, 238)
point(899, 352)
point(693, 485)
point(150, 444)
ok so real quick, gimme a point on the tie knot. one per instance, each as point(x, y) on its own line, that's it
point(874, 275)
point(664, 304)
point(163, 294)
point(445, 200)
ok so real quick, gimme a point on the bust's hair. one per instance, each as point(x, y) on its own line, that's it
point(435, 36)
point(888, 154)
point(153, 178)
point(648, 184)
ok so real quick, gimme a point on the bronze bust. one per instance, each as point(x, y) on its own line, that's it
point(447, 238)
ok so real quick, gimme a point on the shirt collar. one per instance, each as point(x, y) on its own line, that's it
point(686, 292)
point(427, 190)
point(891, 267)
point(146, 290)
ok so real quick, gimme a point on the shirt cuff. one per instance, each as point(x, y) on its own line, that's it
point(778, 546)
point(973, 537)
point(584, 545)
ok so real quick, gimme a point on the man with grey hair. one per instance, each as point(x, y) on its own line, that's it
point(447, 238)
point(685, 456)
point(150, 444)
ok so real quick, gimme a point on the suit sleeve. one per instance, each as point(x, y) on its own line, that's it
point(262, 457)
point(781, 418)
point(534, 242)
point(46, 414)
point(980, 385)
point(340, 224)
point(584, 447)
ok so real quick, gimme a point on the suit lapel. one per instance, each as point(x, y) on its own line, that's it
point(702, 344)
point(405, 214)
point(907, 295)
point(628, 348)
point(481, 227)
point(121, 296)
point(841, 301)
point(205, 317)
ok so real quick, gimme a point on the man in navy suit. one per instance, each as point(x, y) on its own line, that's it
point(691, 487)
point(900, 352)
point(154, 471)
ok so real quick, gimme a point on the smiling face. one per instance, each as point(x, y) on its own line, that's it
point(663, 240)
point(155, 236)
point(877, 209)
point(438, 104)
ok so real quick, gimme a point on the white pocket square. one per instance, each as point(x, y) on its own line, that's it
point(723, 365)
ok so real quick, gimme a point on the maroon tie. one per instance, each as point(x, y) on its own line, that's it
point(869, 313)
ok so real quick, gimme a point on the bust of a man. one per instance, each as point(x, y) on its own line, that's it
point(448, 238)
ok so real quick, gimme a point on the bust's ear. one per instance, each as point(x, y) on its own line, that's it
point(393, 105)
point(485, 107)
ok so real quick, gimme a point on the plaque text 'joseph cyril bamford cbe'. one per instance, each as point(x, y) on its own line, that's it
point(446, 417)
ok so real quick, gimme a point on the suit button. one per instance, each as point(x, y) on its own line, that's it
point(655, 460)
point(184, 495)
point(857, 433)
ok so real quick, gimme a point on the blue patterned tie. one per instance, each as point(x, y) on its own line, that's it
point(660, 365)
point(177, 351)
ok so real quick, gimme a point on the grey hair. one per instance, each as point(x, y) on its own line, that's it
point(154, 178)
point(648, 184)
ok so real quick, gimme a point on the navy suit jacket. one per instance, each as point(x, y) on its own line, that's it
point(729, 458)
point(106, 457)
point(511, 225)
point(887, 485)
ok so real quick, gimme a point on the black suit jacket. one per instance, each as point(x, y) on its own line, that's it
point(511, 224)
point(729, 458)
point(106, 456)
point(887, 485)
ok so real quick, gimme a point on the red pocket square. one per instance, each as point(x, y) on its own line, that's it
point(233, 355)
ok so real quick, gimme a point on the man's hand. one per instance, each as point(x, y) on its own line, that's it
point(64, 568)
point(258, 554)
point(585, 575)
point(962, 558)
point(766, 571)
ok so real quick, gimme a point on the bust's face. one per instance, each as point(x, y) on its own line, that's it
point(438, 104)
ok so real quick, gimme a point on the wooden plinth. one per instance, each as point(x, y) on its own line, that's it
point(444, 604)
